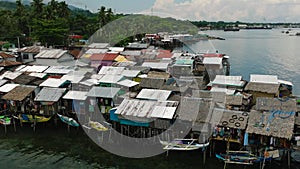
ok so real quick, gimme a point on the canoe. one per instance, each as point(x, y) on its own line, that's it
point(183, 144)
point(97, 126)
point(4, 120)
point(68, 120)
point(28, 118)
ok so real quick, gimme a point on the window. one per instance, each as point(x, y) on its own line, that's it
point(25, 56)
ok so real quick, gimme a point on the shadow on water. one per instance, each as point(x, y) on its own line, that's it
point(55, 147)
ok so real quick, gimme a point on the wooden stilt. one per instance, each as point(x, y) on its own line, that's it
point(204, 156)
point(68, 128)
point(5, 129)
point(289, 158)
point(15, 127)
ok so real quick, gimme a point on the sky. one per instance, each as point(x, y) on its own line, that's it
point(209, 10)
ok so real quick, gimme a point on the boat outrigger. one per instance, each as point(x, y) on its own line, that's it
point(183, 144)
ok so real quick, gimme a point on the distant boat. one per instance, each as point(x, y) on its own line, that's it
point(68, 120)
point(231, 28)
point(183, 144)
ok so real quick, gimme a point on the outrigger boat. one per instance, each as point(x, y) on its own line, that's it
point(27, 118)
point(238, 157)
point(68, 120)
point(97, 126)
point(4, 120)
point(245, 157)
point(183, 144)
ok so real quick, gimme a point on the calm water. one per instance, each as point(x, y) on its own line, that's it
point(250, 51)
point(259, 52)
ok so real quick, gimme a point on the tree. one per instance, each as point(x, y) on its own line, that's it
point(102, 16)
point(37, 8)
point(51, 32)
point(21, 16)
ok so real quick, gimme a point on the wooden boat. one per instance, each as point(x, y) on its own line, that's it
point(4, 120)
point(238, 157)
point(245, 157)
point(28, 118)
point(68, 120)
point(97, 126)
point(183, 144)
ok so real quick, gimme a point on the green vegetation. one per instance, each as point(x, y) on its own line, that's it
point(52, 23)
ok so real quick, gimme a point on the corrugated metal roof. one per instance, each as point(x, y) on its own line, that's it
point(104, 56)
point(135, 107)
point(164, 109)
point(72, 78)
point(156, 65)
point(51, 54)
point(131, 53)
point(128, 83)
point(153, 94)
point(99, 45)
point(89, 82)
point(59, 70)
point(233, 119)
point(75, 95)
point(19, 68)
point(285, 82)
point(228, 80)
point(130, 73)
point(39, 75)
point(52, 82)
point(3, 81)
point(116, 49)
point(8, 63)
point(31, 49)
point(262, 87)
point(224, 90)
point(110, 70)
point(137, 45)
point(10, 75)
point(6, 55)
point(8, 87)
point(24, 79)
point(104, 92)
point(38, 69)
point(92, 51)
point(110, 79)
point(48, 94)
point(268, 79)
point(19, 93)
point(212, 61)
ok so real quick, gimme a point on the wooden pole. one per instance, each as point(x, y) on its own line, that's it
point(289, 158)
point(204, 156)
point(15, 128)
point(5, 129)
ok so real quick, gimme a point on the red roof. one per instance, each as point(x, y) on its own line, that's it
point(5, 55)
point(104, 56)
point(75, 36)
point(7, 63)
point(213, 55)
point(164, 54)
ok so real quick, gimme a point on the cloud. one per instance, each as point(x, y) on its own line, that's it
point(230, 10)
